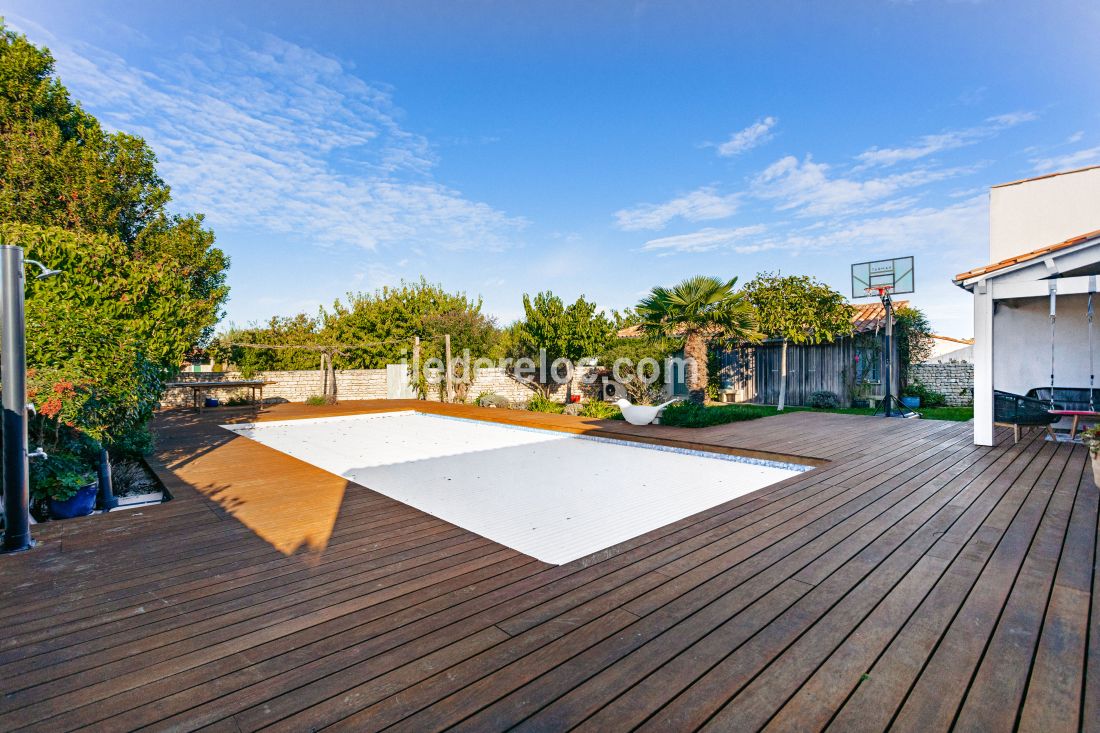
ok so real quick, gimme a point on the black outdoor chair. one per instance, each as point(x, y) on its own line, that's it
point(1016, 411)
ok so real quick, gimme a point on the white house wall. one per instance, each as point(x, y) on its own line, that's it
point(1021, 349)
point(1033, 214)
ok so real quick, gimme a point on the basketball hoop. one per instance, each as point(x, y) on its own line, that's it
point(882, 291)
point(880, 278)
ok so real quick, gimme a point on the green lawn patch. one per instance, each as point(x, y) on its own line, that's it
point(957, 414)
point(690, 415)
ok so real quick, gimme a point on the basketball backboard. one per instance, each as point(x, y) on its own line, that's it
point(895, 274)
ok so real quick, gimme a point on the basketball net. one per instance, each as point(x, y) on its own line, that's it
point(882, 291)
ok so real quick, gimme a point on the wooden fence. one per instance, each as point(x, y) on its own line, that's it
point(753, 373)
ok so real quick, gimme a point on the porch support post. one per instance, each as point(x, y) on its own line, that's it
point(983, 363)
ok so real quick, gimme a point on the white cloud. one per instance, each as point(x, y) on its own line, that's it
point(1068, 161)
point(1011, 119)
point(708, 239)
point(960, 230)
point(703, 204)
point(755, 134)
point(807, 186)
point(271, 136)
point(931, 144)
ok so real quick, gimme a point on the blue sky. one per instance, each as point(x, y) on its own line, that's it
point(595, 148)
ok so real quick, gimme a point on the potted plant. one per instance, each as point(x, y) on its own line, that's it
point(1091, 438)
point(860, 391)
point(64, 485)
point(917, 393)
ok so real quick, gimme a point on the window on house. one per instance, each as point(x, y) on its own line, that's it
point(867, 364)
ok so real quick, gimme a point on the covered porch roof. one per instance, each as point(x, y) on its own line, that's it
point(1014, 293)
point(1076, 257)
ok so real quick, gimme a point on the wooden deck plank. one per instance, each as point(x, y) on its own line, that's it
point(641, 700)
point(997, 687)
point(897, 669)
point(1052, 702)
point(588, 663)
point(722, 682)
point(767, 609)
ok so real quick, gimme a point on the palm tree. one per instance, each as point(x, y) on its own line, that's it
point(698, 309)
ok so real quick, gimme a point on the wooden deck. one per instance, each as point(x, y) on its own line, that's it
point(911, 581)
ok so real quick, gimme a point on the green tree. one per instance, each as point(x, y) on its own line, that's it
point(913, 334)
point(380, 326)
point(367, 331)
point(58, 167)
point(798, 309)
point(552, 330)
point(114, 326)
point(141, 286)
point(697, 310)
point(640, 365)
point(242, 347)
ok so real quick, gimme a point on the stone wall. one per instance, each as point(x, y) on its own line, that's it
point(953, 379)
point(295, 386)
point(361, 384)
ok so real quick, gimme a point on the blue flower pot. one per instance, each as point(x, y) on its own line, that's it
point(911, 402)
point(79, 504)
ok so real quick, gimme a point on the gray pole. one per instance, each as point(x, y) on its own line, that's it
point(13, 373)
point(889, 354)
point(416, 367)
point(447, 363)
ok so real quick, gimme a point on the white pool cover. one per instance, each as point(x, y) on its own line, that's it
point(551, 495)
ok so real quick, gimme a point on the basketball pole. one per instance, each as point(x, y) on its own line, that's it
point(889, 306)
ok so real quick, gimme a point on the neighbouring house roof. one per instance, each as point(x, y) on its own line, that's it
point(872, 316)
point(1047, 175)
point(865, 317)
point(1026, 256)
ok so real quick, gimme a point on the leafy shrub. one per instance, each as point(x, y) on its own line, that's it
point(316, 400)
point(489, 399)
point(639, 365)
point(539, 403)
point(693, 415)
point(601, 410)
point(824, 400)
point(928, 397)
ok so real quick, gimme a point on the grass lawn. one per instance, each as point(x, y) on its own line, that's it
point(957, 414)
point(694, 416)
point(687, 415)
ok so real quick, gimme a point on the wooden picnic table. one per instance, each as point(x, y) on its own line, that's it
point(197, 387)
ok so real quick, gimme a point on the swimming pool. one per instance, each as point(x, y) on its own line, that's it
point(551, 495)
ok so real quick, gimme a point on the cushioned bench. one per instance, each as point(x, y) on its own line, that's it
point(1065, 398)
point(1069, 402)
